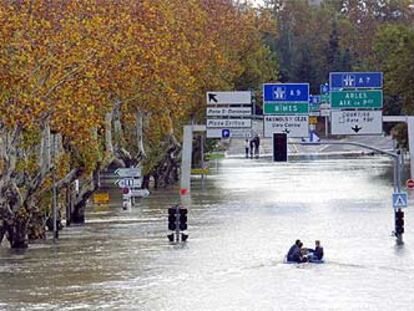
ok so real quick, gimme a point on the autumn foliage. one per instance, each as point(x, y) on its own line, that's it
point(66, 65)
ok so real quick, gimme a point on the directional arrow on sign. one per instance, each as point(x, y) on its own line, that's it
point(129, 172)
point(212, 97)
point(129, 182)
point(361, 122)
point(141, 193)
point(286, 131)
point(356, 128)
point(229, 97)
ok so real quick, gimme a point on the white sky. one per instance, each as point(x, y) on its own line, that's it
point(257, 2)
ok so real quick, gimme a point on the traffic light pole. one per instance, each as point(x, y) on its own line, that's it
point(398, 161)
point(177, 223)
point(397, 188)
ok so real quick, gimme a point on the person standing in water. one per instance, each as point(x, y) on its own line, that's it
point(251, 146)
point(246, 147)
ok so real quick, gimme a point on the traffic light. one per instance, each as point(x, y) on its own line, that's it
point(183, 219)
point(172, 218)
point(280, 147)
point(399, 222)
point(184, 237)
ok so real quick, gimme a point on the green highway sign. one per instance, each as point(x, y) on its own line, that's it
point(314, 108)
point(356, 99)
point(325, 98)
point(286, 108)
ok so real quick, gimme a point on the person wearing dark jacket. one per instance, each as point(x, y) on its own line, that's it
point(257, 146)
point(246, 147)
point(294, 252)
point(252, 144)
point(317, 253)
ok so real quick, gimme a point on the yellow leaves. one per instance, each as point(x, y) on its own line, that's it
point(69, 59)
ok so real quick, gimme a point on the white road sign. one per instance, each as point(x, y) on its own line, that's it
point(234, 133)
point(129, 182)
point(229, 111)
point(293, 126)
point(138, 193)
point(129, 172)
point(229, 123)
point(358, 122)
point(325, 112)
point(238, 97)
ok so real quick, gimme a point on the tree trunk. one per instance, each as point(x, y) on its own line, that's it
point(78, 213)
point(2, 230)
point(36, 228)
point(145, 182)
point(108, 133)
point(140, 136)
point(18, 233)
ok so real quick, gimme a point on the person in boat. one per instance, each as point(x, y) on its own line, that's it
point(295, 252)
point(303, 256)
point(317, 253)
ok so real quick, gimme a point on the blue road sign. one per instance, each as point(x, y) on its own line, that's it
point(286, 92)
point(324, 89)
point(399, 199)
point(314, 99)
point(355, 80)
point(225, 133)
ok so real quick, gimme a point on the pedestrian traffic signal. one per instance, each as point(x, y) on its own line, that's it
point(172, 218)
point(183, 219)
point(399, 222)
point(280, 147)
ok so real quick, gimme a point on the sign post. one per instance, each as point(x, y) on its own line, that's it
point(356, 101)
point(293, 126)
point(356, 122)
point(130, 183)
point(286, 109)
point(229, 114)
point(359, 80)
point(359, 99)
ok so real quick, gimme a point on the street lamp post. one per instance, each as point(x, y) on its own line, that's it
point(54, 190)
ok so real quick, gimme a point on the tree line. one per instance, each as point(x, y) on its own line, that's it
point(88, 84)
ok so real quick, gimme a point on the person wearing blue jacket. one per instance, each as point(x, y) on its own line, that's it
point(317, 253)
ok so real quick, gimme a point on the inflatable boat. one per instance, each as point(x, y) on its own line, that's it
point(316, 261)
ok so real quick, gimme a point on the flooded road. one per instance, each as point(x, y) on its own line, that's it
point(241, 224)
